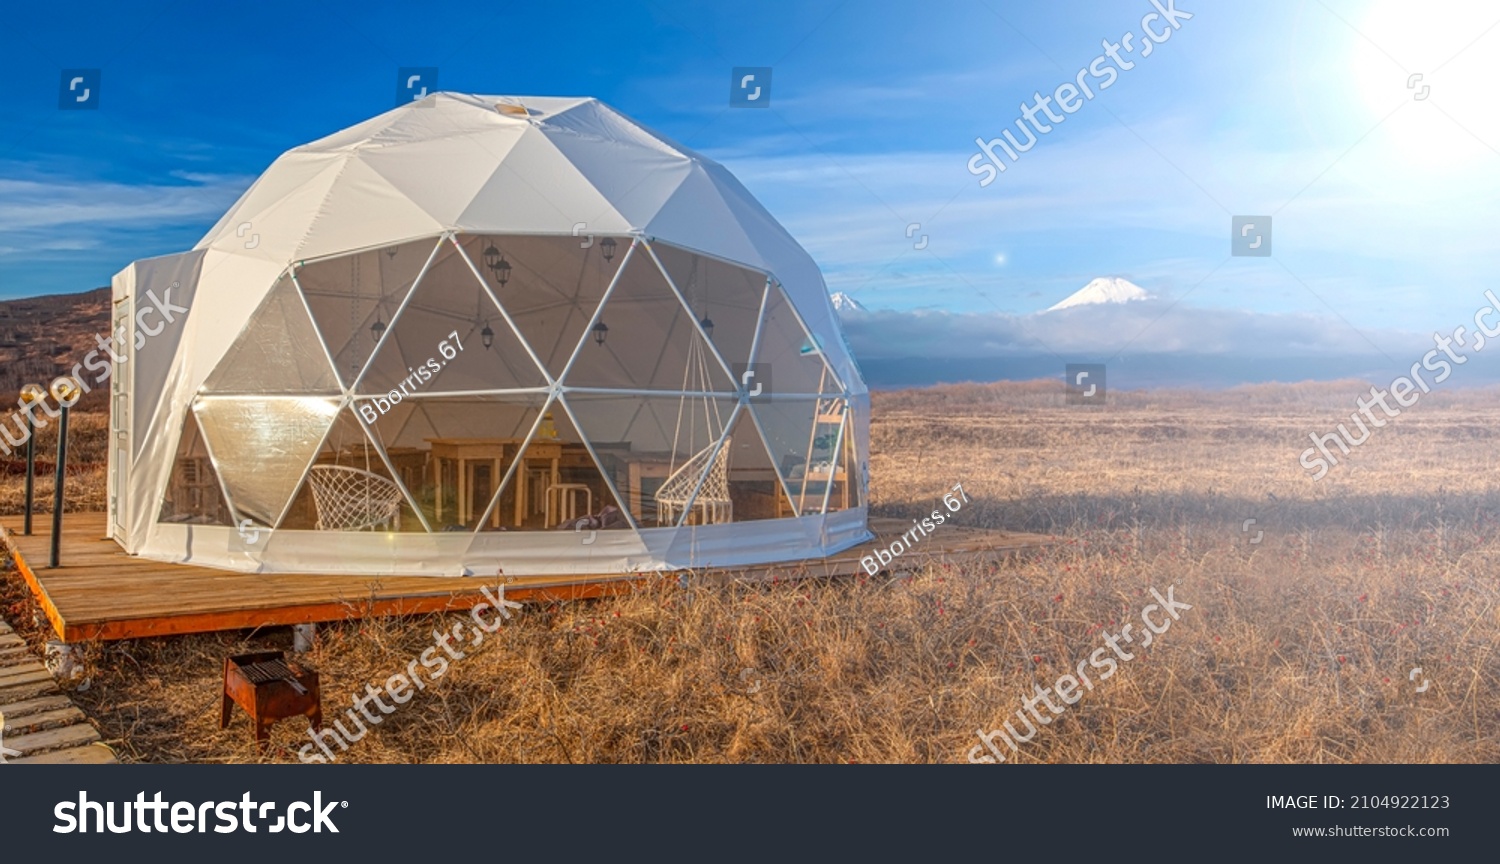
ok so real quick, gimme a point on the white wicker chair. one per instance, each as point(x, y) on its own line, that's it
point(349, 499)
point(713, 498)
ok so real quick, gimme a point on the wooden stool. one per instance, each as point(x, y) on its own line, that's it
point(562, 499)
point(260, 684)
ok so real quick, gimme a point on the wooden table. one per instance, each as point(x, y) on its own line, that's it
point(466, 453)
point(549, 451)
point(812, 488)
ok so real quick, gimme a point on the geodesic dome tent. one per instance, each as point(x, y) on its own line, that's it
point(478, 332)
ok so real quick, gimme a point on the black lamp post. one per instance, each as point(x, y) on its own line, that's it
point(601, 332)
point(66, 391)
point(31, 395)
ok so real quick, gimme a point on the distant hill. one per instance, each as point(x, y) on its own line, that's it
point(44, 337)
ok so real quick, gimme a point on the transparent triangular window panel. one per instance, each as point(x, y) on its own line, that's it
point(794, 357)
point(646, 339)
point(727, 298)
point(437, 343)
point(455, 453)
point(654, 450)
point(804, 438)
point(354, 297)
point(193, 496)
point(262, 448)
point(557, 485)
point(552, 285)
point(755, 487)
point(350, 486)
point(278, 352)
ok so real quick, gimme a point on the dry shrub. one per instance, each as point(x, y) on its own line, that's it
point(85, 489)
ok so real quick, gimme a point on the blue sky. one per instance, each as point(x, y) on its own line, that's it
point(1384, 205)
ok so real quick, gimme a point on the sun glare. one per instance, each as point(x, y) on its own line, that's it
point(1422, 53)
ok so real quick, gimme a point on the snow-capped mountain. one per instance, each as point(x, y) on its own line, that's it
point(844, 303)
point(1106, 289)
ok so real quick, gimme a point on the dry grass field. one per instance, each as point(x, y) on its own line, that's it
point(1304, 628)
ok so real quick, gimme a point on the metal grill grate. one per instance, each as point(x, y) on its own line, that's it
point(267, 671)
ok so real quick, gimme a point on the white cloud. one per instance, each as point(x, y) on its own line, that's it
point(1153, 326)
point(50, 245)
point(62, 205)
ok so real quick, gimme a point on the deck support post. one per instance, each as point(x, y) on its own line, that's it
point(302, 637)
point(62, 661)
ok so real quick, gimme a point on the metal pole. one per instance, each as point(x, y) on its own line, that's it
point(30, 467)
point(57, 492)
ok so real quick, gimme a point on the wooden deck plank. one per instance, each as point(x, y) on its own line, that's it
point(39, 720)
point(14, 654)
point(23, 692)
point(102, 593)
point(65, 716)
point(16, 676)
point(17, 710)
point(88, 754)
point(76, 735)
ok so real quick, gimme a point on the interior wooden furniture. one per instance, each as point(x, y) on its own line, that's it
point(465, 454)
point(195, 489)
point(639, 468)
point(562, 502)
point(824, 465)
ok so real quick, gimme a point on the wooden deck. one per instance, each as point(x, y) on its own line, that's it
point(39, 721)
point(101, 593)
